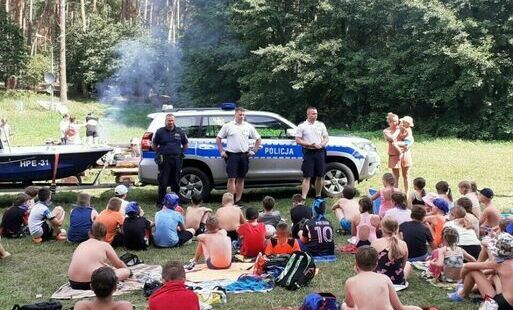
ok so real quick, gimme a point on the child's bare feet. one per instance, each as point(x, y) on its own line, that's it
point(6, 254)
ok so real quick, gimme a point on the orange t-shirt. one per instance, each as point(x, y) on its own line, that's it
point(281, 248)
point(112, 220)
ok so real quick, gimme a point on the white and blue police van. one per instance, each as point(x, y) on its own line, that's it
point(276, 164)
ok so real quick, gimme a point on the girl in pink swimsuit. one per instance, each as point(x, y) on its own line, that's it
point(385, 194)
point(365, 224)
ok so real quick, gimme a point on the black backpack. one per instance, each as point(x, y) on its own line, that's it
point(298, 272)
point(130, 259)
point(47, 305)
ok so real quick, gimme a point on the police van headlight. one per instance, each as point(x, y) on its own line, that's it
point(366, 146)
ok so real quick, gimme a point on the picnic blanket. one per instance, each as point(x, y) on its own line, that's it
point(422, 266)
point(201, 273)
point(141, 273)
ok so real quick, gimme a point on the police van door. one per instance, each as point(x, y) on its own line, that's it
point(279, 158)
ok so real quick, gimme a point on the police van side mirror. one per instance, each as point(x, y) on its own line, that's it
point(291, 133)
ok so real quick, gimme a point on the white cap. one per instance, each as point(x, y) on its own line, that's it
point(120, 190)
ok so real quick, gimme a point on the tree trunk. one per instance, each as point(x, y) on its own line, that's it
point(145, 10)
point(94, 6)
point(62, 50)
point(83, 12)
point(7, 7)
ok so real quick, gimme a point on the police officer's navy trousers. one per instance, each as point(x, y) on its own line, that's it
point(169, 175)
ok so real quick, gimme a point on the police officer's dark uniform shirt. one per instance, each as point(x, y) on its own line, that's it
point(170, 142)
point(320, 235)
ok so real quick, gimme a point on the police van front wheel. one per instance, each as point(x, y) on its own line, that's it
point(337, 176)
point(193, 181)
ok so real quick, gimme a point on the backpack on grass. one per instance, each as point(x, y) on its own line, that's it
point(320, 301)
point(47, 305)
point(130, 259)
point(298, 272)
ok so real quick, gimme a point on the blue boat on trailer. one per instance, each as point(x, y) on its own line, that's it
point(47, 162)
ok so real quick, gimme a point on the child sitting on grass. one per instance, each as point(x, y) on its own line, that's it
point(282, 244)
point(436, 221)
point(31, 191)
point(385, 194)
point(169, 225)
point(368, 289)
point(269, 217)
point(44, 224)
point(317, 234)
point(490, 216)
point(196, 215)
point(392, 253)
point(15, 218)
point(230, 217)
point(113, 221)
point(136, 228)
point(252, 235)
point(444, 191)
point(81, 219)
point(446, 262)
point(91, 255)
point(415, 198)
point(400, 212)
point(466, 204)
point(500, 285)
point(215, 246)
point(416, 234)
point(346, 209)
point(365, 224)
point(103, 283)
point(469, 190)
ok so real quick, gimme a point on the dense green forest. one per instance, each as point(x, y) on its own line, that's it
point(447, 63)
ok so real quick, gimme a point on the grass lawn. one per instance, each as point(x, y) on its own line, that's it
point(33, 124)
point(34, 270)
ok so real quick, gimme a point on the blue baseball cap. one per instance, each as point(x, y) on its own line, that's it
point(509, 228)
point(132, 208)
point(441, 204)
point(171, 200)
point(319, 206)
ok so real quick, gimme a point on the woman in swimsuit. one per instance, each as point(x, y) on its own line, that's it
point(390, 133)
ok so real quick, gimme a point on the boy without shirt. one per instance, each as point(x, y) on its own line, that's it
point(229, 216)
point(215, 246)
point(346, 208)
point(491, 216)
point(91, 255)
point(103, 284)
point(500, 286)
point(196, 215)
point(368, 289)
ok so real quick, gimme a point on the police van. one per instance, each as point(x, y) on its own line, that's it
point(276, 163)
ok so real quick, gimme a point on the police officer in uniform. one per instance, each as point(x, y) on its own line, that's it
point(312, 135)
point(170, 143)
point(237, 152)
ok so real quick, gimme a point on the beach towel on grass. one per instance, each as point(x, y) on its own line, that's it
point(141, 273)
point(325, 259)
point(249, 284)
point(201, 273)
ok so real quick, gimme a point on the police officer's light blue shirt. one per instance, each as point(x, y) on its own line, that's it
point(170, 142)
point(166, 222)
